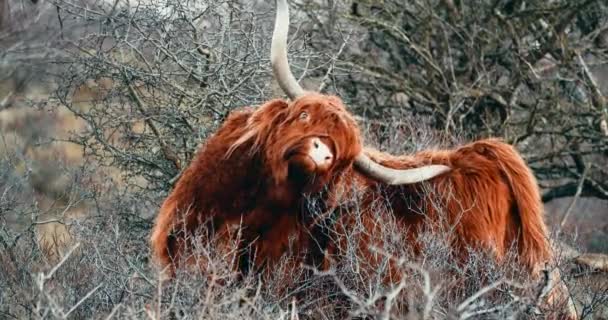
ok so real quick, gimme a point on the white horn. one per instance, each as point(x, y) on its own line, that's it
point(289, 84)
point(397, 176)
point(278, 53)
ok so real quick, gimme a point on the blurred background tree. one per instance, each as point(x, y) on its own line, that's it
point(528, 71)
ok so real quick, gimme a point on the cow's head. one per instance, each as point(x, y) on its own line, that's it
point(305, 141)
point(313, 137)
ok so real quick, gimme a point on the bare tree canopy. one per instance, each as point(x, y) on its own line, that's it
point(103, 104)
point(528, 71)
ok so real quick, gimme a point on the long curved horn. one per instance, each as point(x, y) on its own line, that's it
point(397, 176)
point(278, 53)
point(289, 84)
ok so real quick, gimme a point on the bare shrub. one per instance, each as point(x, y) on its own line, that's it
point(108, 274)
point(174, 76)
point(150, 81)
point(480, 68)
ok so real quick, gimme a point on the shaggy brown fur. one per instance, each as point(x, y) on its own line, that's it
point(244, 175)
point(490, 201)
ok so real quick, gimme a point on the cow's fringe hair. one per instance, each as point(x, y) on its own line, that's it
point(258, 126)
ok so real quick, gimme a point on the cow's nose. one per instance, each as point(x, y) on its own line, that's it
point(320, 153)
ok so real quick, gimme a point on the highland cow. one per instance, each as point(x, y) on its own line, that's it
point(258, 170)
point(263, 166)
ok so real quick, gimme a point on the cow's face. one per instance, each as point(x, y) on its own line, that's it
point(316, 138)
point(307, 141)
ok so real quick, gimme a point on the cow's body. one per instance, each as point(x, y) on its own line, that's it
point(489, 196)
point(489, 201)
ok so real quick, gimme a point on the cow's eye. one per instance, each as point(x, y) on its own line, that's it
point(303, 116)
